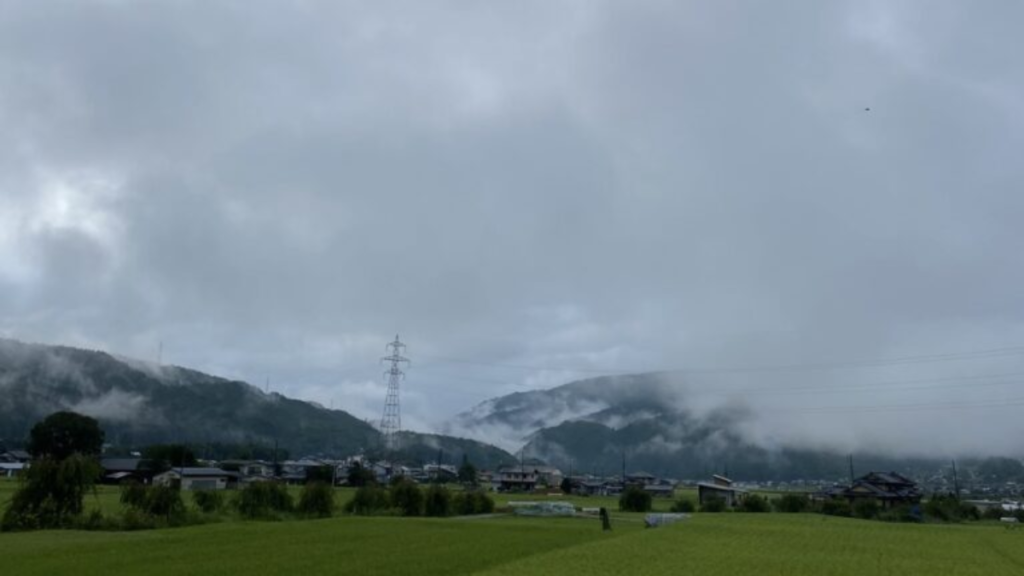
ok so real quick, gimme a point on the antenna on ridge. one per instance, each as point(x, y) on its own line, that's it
point(391, 421)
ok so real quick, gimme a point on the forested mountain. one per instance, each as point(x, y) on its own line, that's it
point(139, 403)
point(642, 422)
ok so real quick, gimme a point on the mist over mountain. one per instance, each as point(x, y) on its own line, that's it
point(646, 422)
point(139, 403)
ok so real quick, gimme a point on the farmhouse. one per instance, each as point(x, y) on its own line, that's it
point(888, 488)
point(660, 490)
point(119, 470)
point(517, 479)
point(197, 478)
point(11, 469)
point(719, 487)
point(15, 456)
point(641, 479)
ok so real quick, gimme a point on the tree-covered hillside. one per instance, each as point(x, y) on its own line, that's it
point(139, 403)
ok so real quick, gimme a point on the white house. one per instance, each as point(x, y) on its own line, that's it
point(195, 478)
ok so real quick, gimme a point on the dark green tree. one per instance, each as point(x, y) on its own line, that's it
point(359, 475)
point(755, 503)
point(317, 500)
point(566, 486)
point(635, 499)
point(51, 494)
point(368, 500)
point(263, 500)
point(406, 497)
point(320, 474)
point(62, 434)
point(208, 501)
point(467, 472)
point(684, 505)
point(438, 501)
point(792, 503)
point(163, 457)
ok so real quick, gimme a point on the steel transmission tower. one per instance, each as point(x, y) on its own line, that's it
point(391, 422)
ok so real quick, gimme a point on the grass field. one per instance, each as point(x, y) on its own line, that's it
point(707, 544)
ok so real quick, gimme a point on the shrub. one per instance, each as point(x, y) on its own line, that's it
point(94, 521)
point(565, 486)
point(836, 507)
point(866, 508)
point(369, 499)
point(50, 494)
point(133, 519)
point(163, 502)
point(684, 505)
point(464, 504)
point(792, 503)
point(902, 513)
point(438, 502)
point(635, 499)
point(969, 512)
point(713, 504)
point(133, 495)
point(406, 497)
point(317, 500)
point(993, 513)
point(482, 503)
point(262, 500)
point(755, 503)
point(208, 501)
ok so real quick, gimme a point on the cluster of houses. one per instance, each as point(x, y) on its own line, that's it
point(231, 473)
point(888, 488)
point(12, 462)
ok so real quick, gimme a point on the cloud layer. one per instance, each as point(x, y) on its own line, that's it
point(546, 189)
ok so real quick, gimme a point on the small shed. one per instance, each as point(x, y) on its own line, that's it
point(719, 487)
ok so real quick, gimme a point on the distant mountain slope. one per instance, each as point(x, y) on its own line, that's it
point(597, 424)
point(139, 403)
point(611, 400)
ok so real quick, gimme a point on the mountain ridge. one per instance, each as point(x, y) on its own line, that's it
point(140, 403)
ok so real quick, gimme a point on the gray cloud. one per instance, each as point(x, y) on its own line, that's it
point(275, 190)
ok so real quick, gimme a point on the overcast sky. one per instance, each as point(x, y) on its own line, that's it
point(549, 190)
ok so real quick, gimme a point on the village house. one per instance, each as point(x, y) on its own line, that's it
point(249, 470)
point(121, 470)
point(197, 478)
point(888, 488)
point(440, 472)
point(11, 469)
point(15, 456)
point(516, 479)
point(719, 487)
point(641, 479)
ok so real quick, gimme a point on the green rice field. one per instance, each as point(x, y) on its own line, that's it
point(711, 544)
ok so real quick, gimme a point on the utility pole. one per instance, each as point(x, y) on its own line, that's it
point(851, 470)
point(391, 422)
point(956, 482)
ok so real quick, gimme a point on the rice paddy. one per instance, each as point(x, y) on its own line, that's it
point(707, 544)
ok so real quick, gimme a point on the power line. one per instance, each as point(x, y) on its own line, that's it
point(896, 361)
point(1013, 402)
